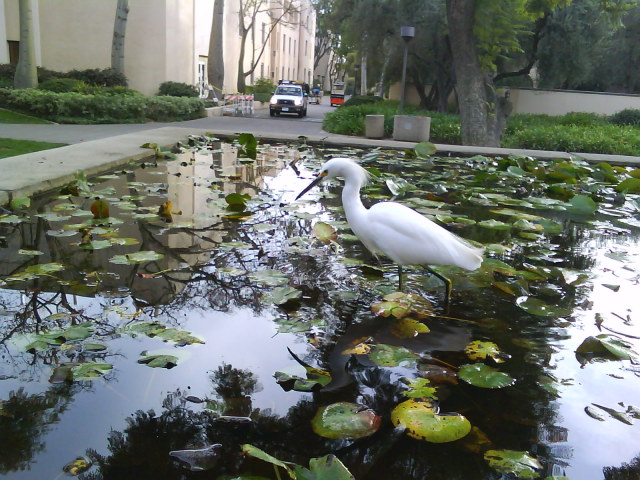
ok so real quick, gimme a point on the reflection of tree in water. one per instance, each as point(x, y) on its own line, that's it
point(627, 471)
point(24, 419)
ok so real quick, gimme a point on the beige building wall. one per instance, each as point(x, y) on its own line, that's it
point(165, 39)
point(559, 102)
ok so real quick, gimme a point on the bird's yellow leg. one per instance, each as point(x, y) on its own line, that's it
point(447, 284)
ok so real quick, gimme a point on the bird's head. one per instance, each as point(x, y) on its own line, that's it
point(339, 167)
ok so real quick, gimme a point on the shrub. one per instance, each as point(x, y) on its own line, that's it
point(628, 116)
point(445, 127)
point(262, 97)
point(178, 89)
point(106, 77)
point(75, 107)
point(62, 85)
point(606, 139)
point(261, 85)
point(362, 100)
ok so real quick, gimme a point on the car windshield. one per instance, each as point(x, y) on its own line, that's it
point(289, 91)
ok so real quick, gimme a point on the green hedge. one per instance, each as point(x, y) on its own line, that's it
point(573, 132)
point(106, 108)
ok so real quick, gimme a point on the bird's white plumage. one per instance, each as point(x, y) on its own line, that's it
point(394, 230)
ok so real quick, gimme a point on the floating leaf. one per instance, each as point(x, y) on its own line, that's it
point(12, 219)
point(344, 420)
point(269, 278)
point(100, 208)
point(408, 327)
point(89, 371)
point(422, 422)
point(420, 388)
point(30, 252)
point(159, 361)
point(142, 256)
point(582, 205)
point(200, 459)
point(324, 232)
point(623, 417)
point(424, 149)
point(282, 295)
point(20, 203)
point(510, 461)
point(603, 346)
point(392, 356)
point(629, 185)
point(484, 376)
point(315, 380)
point(536, 306)
point(480, 351)
point(494, 225)
point(328, 467)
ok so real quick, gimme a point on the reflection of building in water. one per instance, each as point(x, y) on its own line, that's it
point(196, 185)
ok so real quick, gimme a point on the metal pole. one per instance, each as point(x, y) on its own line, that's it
point(404, 77)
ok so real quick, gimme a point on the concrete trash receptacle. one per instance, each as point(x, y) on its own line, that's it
point(374, 126)
point(410, 128)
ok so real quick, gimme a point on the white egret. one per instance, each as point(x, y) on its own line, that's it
point(397, 231)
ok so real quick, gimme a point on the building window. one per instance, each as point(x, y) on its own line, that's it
point(262, 70)
point(273, 75)
point(295, 47)
point(306, 47)
point(282, 74)
point(284, 43)
point(264, 32)
point(289, 45)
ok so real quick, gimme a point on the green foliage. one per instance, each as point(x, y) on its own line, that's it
point(177, 89)
point(628, 116)
point(108, 108)
point(261, 85)
point(63, 85)
point(106, 77)
point(361, 100)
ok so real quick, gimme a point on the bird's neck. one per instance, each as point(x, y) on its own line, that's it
point(351, 201)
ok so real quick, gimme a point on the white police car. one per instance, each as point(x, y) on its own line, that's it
point(289, 97)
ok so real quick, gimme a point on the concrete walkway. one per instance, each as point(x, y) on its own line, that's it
point(97, 149)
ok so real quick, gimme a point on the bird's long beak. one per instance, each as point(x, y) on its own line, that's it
point(315, 182)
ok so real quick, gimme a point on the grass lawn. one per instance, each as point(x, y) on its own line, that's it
point(10, 147)
point(7, 116)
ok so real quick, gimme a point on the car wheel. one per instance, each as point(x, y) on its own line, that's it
point(272, 113)
point(301, 114)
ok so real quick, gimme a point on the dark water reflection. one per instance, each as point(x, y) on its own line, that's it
point(128, 420)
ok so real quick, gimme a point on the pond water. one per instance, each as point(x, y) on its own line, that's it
point(129, 337)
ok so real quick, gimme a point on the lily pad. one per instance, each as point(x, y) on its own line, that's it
point(282, 295)
point(582, 205)
point(408, 328)
point(510, 461)
point(344, 420)
point(422, 422)
point(324, 232)
point(484, 376)
point(494, 225)
point(143, 256)
point(269, 278)
point(478, 350)
point(392, 356)
point(328, 467)
point(159, 360)
point(606, 346)
point(201, 459)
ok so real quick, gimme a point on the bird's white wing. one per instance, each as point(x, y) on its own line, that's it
point(409, 238)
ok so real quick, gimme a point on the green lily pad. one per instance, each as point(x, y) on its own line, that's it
point(422, 422)
point(143, 256)
point(20, 203)
point(90, 371)
point(510, 461)
point(344, 420)
point(96, 245)
point(324, 232)
point(582, 205)
point(44, 268)
point(408, 327)
point(282, 295)
point(425, 149)
point(159, 360)
point(328, 467)
point(269, 278)
point(316, 379)
point(603, 346)
point(392, 356)
point(484, 376)
point(536, 306)
point(494, 225)
point(629, 185)
point(480, 351)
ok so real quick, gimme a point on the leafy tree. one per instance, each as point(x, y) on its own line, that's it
point(119, 30)
point(26, 70)
point(247, 14)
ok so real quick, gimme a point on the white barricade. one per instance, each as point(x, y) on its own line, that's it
point(238, 104)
